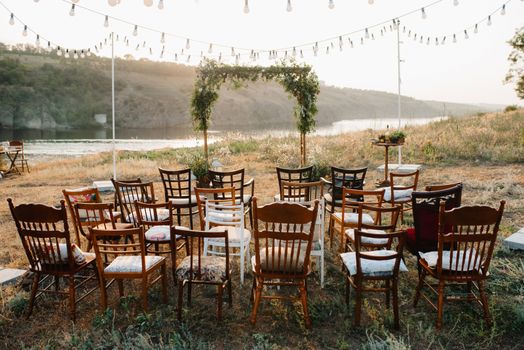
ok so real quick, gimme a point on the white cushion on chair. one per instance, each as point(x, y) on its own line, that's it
point(399, 194)
point(183, 201)
point(276, 198)
point(213, 268)
point(462, 256)
point(329, 198)
point(367, 240)
point(233, 234)
point(352, 218)
point(161, 233)
point(372, 267)
point(132, 263)
point(163, 214)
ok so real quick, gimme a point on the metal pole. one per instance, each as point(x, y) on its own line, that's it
point(399, 81)
point(113, 100)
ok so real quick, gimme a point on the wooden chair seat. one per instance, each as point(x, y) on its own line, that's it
point(161, 233)
point(350, 233)
point(132, 264)
point(212, 268)
point(185, 201)
point(163, 214)
point(352, 218)
point(462, 260)
point(400, 195)
point(271, 264)
point(372, 267)
point(234, 233)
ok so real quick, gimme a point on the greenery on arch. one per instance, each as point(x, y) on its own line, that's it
point(298, 80)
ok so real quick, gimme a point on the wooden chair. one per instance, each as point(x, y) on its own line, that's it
point(342, 178)
point(400, 189)
point(283, 237)
point(203, 194)
point(300, 175)
point(130, 262)
point(306, 193)
point(244, 191)
point(199, 269)
point(44, 233)
point(348, 216)
point(426, 211)
point(80, 195)
point(20, 159)
point(128, 193)
point(158, 227)
point(178, 190)
point(384, 221)
point(374, 266)
point(96, 215)
point(126, 181)
point(466, 240)
point(440, 187)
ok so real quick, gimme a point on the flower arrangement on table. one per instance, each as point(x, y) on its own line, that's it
point(396, 137)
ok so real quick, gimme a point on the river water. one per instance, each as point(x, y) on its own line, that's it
point(81, 142)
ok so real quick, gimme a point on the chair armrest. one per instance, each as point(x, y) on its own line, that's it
point(326, 182)
point(251, 183)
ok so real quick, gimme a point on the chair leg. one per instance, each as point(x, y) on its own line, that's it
point(163, 270)
point(72, 304)
point(388, 294)
point(34, 289)
point(103, 293)
point(258, 296)
point(347, 290)
point(330, 231)
point(322, 268)
point(190, 209)
point(250, 215)
point(189, 288)
point(57, 283)
point(440, 304)
point(418, 290)
point(180, 297)
point(220, 291)
point(144, 293)
point(358, 302)
point(178, 216)
point(230, 293)
point(120, 284)
point(303, 298)
point(484, 300)
point(242, 261)
point(396, 320)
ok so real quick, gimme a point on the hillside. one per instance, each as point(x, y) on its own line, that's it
point(45, 91)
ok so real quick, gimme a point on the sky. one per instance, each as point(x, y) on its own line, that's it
point(469, 71)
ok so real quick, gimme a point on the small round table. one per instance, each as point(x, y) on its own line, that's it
point(386, 145)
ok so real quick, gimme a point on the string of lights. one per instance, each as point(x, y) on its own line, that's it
point(222, 53)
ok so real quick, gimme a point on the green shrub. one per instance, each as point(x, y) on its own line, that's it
point(511, 108)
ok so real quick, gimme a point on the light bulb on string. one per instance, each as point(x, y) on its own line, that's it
point(148, 3)
point(415, 37)
point(75, 1)
point(421, 39)
point(427, 42)
point(210, 49)
point(289, 8)
point(58, 51)
point(72, 11)
point(188, 58)
point(381, 32)
point(351, 43)
point(163, 38)
point(39, 0)
point(144, 44)
point(367, 34)
point(24, 32)
point(301, 54)
point(75, 55)
point(246, 6)
point(106, 21)
point(232, 51)
point(82, 54)
point(443, 41)
point(436, 41)
point(12, 19)
point(503, 11)
point(454, 38)
point(160, 4)
point(423, 13)
point(48, 46)
point(331, 5)
point(489, 20)
point(135, 30)
point(37, 41)
point(371, 2)
point(176, 57)
point(151, 51)
point(466, 36)
point(88, 52)
point(361, 41)
point(327, 50)
point(112, 2)
point(455, 2)
point(294, 53)
point(476, 30)
point(409, 34)
point(66, 55)
point(188, 45)
point(137, 47)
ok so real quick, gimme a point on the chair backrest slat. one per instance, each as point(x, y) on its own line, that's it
point(203, 194)
point(346, 178)
point(128, 193)
point(226, 179)
point(177, 184)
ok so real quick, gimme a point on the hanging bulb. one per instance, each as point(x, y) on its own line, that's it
point(294, 52)
point(162, 54)
point(436, 41)
point(24, 33)
point(163, 38)
point(82, 54)
point(112, 2)
point(489, 20)
point(75, 1)
point(423, 12)
point(301, 54)
point(361, 41)
point(48, 46)
point(415, 37)
point(232, 51)
point(144, 44)
point(12, 19)
point(367, 33)
point(39, 0)
point(327, 50)
point(443, 41)
point(106, 21)
point(75, 55)
point(37, 42)
point(137, 47)
point(351, 43)
point(454, 38)
point(210, 49)
point(371, 2)
point(188, 58)
point(66, 55)
point(289, 8)
point(421, 39)
point(476, 30)
point(455, 2)
point(331, 5)
point(237, 59)
point(58, 51)
point(466, 34)
point(176, 57)
point(148, 3)
point(135, 31)
point(160, 4)
point(88, 52)
point(72, 11)
point(246, 6)
point(150, 51)
point(427, 42)
point(503, 11)
point(188, 45)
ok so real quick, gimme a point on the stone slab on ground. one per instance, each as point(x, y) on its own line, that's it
point(8, 276)
point(104, 186)
point(516, 240)
point(401, 168)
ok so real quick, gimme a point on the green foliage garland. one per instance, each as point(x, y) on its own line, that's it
point(516, 57)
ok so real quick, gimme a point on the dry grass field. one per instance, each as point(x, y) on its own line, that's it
point(485, 152)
